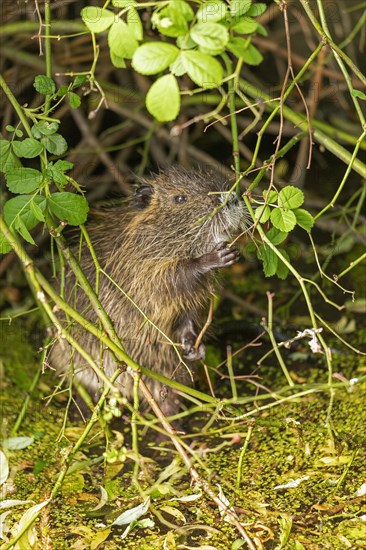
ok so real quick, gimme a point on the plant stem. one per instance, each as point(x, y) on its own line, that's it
point(300, 121)
point(232, 83)
point(345, 177)
point(48, 51)
point(241, 456)
point(341, 65)
point(328, 40)
point(17, 108)
point(40, 284)
point(269, 329)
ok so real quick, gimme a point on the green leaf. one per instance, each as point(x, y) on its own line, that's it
point(134, 23)
point(276, 236)
point(290, 197)
point(269, 259)
point(257, 9)
point(168, 25)
point(123, 3)
point(261, 30)
point(245, 50)
point(211, 11)
point(20, 226)
point(44, 85)
point(238, 46)
point(359, 94)
point(285, 220)
point(185, 42)
point(68, 206)
point(44, 128)
point(266, 212)
point(211, 36)
point(179, 6)
point(23, 180)
point(173, 19)
point(177, 67)
point(56, 171)
point(97, 19)
point(9, 128)
point(63, 165)
point(252, 56)
point(163, 98)
point(117, 61)
point(7, 158)
point(304, 219)
point(121, 40)
point(79, 80)
point(154, 57)
point(203, 69)
point(239, 7)
point(36, 211)
point(270, 196)
point(21, 207)
point(55, 144)
point(5, 246)
point(282, 269)
point(245, 25)
point(74, 100)
point(28, 148)
point(62, 91)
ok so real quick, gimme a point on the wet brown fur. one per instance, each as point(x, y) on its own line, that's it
point(155, 249)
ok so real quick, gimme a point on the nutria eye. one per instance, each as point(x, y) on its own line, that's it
point(180, 199)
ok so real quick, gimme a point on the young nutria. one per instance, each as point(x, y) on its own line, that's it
point(161, 247)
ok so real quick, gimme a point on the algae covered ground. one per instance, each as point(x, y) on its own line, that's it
point(288, 463)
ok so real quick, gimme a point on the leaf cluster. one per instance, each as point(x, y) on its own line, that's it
point(34, 202)
point(201, 36)
point(283, 210)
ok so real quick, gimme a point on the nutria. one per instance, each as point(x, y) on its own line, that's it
point(161, 247)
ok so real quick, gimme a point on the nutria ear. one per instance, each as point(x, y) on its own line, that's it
point(142, 196)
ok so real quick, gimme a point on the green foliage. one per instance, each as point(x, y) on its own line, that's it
point(201, 33)
point(36, 200)
point(282, 210)
point(164, 91)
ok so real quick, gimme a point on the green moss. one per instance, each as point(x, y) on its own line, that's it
point(318, 441)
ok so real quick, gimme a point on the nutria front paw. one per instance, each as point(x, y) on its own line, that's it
point(189, 351)
point(225, 255)
point(220, 256)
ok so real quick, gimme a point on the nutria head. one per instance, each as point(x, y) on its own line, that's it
point(186, 212)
